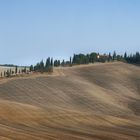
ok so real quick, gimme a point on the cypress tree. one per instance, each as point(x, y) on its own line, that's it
point(125, 55)
point(70, 61)
point(31, 68)
point(109, 57)
point(51, 62)
point(16, 70)
point(114, 55)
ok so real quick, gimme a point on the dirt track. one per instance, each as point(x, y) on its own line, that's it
point(95, 102)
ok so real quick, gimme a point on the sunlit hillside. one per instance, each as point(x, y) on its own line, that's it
point(92, 102)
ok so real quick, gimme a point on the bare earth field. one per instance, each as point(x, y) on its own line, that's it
point(94, 102)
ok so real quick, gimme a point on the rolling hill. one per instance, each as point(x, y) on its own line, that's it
point(92, 102)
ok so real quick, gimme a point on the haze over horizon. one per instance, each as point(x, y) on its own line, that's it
point(31, 30)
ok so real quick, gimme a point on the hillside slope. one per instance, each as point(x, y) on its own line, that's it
point(94, 102)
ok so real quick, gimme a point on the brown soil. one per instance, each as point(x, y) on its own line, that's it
point(94, 102)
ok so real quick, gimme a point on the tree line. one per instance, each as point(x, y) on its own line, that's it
point(43, 67)
point(132, 58)
point(76, 59)
point(14, 70)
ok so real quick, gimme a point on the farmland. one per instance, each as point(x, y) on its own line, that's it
point(92, 102)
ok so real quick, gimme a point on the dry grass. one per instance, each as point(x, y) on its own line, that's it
point(95, 102)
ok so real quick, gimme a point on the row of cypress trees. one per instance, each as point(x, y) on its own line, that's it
point(77, 59)
point(11, 72)
point(132, 58)
point(43, 67)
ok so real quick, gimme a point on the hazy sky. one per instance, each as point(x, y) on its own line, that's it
point(31, 30)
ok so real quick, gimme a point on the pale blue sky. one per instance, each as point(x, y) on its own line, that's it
point(31, 30)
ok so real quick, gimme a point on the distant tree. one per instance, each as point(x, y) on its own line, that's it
point(31, 68)
point(13, 72)
point(16, 70)
point(41, 66)
point(125, 55)
point(70, 61)
point(51, 62)
point(137, 57)
point(47, 67)
point(25, 69)
point(109, 57)
point(114, 55)
point(87, 59)
point(37, 67)
point(74, 59)
point(4, 73)
point(119, 57)
point(133, 58)
point(48, 62)
point(63, 63)
point(93, 57)
point(57, 63)
point(8, 73)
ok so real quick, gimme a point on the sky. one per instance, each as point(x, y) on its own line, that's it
point(31, 30)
